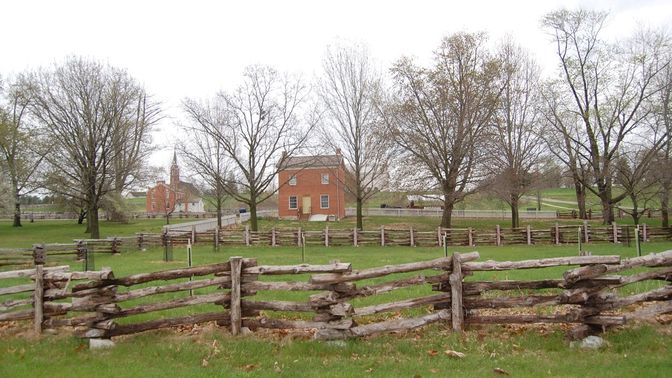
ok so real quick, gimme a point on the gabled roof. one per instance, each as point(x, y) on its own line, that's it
point(298, 162)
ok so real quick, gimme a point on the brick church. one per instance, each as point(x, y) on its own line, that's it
point(174, 197)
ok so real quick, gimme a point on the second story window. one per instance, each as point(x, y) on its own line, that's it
point(325, 178)
point(292, 180)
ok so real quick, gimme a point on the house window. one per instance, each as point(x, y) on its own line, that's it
point(324, 201)
point(293, 203)
point(292, 180)
point(325, 178)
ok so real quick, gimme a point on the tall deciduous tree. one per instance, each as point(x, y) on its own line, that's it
point(93, 115)
point(21, 150)
point(439, 115)
point(564, 132)
point(350, 90)
point(609, 86)
point(204, 155)
point(663, 120)
point(516, 145)
point(257, 125)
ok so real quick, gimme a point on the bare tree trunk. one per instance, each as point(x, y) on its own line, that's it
point(17, 212)
point(607, 207)
point(219, 211)
point(81, 217)
point(254, 225)
point(580, 198)
point(93, 225)
point(664, 206)
point(515, 216)
point(360, 222)
point(447, 217)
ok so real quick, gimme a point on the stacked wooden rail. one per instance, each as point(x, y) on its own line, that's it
point(385, 236)
point(594, 293)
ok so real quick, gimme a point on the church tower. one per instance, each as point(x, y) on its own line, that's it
point(174, 173)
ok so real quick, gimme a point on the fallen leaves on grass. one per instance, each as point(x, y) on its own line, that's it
point(500, 371)
point(432, 353)
point(454, 353)
point(249, 367)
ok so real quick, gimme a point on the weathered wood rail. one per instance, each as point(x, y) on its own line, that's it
point(334, 303)
point(65, 253)
point(385, 236)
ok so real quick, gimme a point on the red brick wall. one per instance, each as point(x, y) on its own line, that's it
point(157, 195)
point(308, 183)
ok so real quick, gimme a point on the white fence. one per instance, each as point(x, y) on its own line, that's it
point(437, 212)
point(211, 224)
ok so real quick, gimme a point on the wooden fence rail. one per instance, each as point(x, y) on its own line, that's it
point(65, 253)
point(558, 234)
point(589, 295)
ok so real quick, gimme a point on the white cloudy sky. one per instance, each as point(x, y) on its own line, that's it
point(195, 48)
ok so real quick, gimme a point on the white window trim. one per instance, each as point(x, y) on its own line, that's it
point(296, 201)
point(328, 202)
point(322, 176)
point(292, 180)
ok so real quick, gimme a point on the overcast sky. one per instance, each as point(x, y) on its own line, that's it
point(181, 49)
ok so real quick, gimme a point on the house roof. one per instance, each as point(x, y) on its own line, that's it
point(298, 162)
point(189, 188)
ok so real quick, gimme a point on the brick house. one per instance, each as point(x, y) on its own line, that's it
point(311, 185)
point(175, 197)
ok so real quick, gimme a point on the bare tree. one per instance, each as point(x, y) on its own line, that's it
point(349, 91)
point(87, 110)
point(21, 150)
point(609, 86)
point(635, 177)
point(439, 116)
point(258, 126)
point(516, 145)
point(204, 155)
point(662, 118)
point(564, 130)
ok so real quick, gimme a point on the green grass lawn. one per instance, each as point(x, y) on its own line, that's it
point(64, 231)
point(209, 351)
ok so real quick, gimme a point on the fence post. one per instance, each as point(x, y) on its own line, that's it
point(298, 238)
point(529, 235)
point(193, 234)
point(557, 234)
point(247, 235)
point(236, 269)
point(326, 236)
point(615, 232)
point(38, 295)
point(438, 235)
point(354, 237)
point(412, 237)
point(382, 236)
point(190, 263)
point(455, 280)
point(140, 240)
point(216, 239)
point(115, 245)
point(586, 233)
point(273, 237)
point(499, 236)
point(645, 233)
point(470, 237)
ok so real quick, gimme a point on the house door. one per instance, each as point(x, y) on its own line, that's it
point(306, 205)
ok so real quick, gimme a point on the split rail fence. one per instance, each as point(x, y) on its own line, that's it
point(590, 295)
point(558, 234)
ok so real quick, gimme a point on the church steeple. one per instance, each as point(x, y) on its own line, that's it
point(174, 172)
